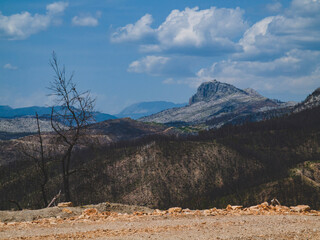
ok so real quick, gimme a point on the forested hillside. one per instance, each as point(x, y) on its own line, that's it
point(244, 165)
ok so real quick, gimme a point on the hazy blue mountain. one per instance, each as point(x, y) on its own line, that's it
point(8, 112)
point(100, 117)
point(143, 109)
point(44, 112)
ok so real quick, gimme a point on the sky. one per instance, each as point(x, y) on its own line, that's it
point(129, 51)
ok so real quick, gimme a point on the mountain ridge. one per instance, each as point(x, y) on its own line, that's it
point(217, 100)
point(312, 100)
point(43, 112)
point(213, 90)
point(141, 109)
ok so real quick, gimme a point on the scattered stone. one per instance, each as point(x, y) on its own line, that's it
point(159, 212)
point(236, 207)
point(138, 213)
point(66, 210)
point(65, 204)
point(175, 210)
point(197, 213)
point(300, 208)
point(90, 212)
point(208, 212)
point(93, 214)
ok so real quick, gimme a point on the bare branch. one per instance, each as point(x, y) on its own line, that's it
point(54, 199)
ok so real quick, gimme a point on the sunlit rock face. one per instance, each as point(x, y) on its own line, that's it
point(218, 101)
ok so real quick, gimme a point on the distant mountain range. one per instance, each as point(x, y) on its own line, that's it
point(218, 103)
point(155, 165)
point(19, 122)
point(133, 111)
point(212, 106)
point(143, 109)
point(43, 112)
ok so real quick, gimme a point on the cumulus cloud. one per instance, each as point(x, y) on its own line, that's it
point(279, 53)
point(161, 66)
point(22, 25)
point(208, 31)
point(295, 70)
point(10, 67)
point(56, 7)
point(274, 7)
point(201, 28)
point(85, 21)
point(297, 28)
point(168, 81)
point(149, 64)
point(305, 8)
point(134, 32)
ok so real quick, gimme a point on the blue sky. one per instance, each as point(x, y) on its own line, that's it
point(128, 51)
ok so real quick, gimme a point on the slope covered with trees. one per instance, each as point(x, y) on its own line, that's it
point(236, 164)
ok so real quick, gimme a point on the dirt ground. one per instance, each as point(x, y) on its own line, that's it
point(234, 222)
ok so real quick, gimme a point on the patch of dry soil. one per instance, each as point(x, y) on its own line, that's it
point(234, 222)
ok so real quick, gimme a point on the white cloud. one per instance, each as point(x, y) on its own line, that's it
point(306, 8)
point(57, 7)
point(280, 53)
point(201, 28)
point(134, 32)
point(274, 7)
point(208, 31)
point(273, 36)
point(22, 25)
point(169, 67)
point(168, 81)
point(150, 64)
point(85, 21)
point(296, 70)
point(10, 67)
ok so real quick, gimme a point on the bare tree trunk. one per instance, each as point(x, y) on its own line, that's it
point(37, 154)
point(65, 163)
point(42, 165)
point(69, 121)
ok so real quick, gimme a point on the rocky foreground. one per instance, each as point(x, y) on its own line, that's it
point(107, 221)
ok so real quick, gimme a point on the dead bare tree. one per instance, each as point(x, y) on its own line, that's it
point(36, 152)
point(70, 118)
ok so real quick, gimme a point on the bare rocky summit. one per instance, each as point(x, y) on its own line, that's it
point(217, 100)
point(313, 100)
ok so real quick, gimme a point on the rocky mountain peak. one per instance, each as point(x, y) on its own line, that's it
point(214, 90)
point(313, 100)
point(316, 92)
point(252, 92)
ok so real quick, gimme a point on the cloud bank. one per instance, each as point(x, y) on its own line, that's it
point(278, 53)
point(84, 21)
point(196, 31)
point(22, 25)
